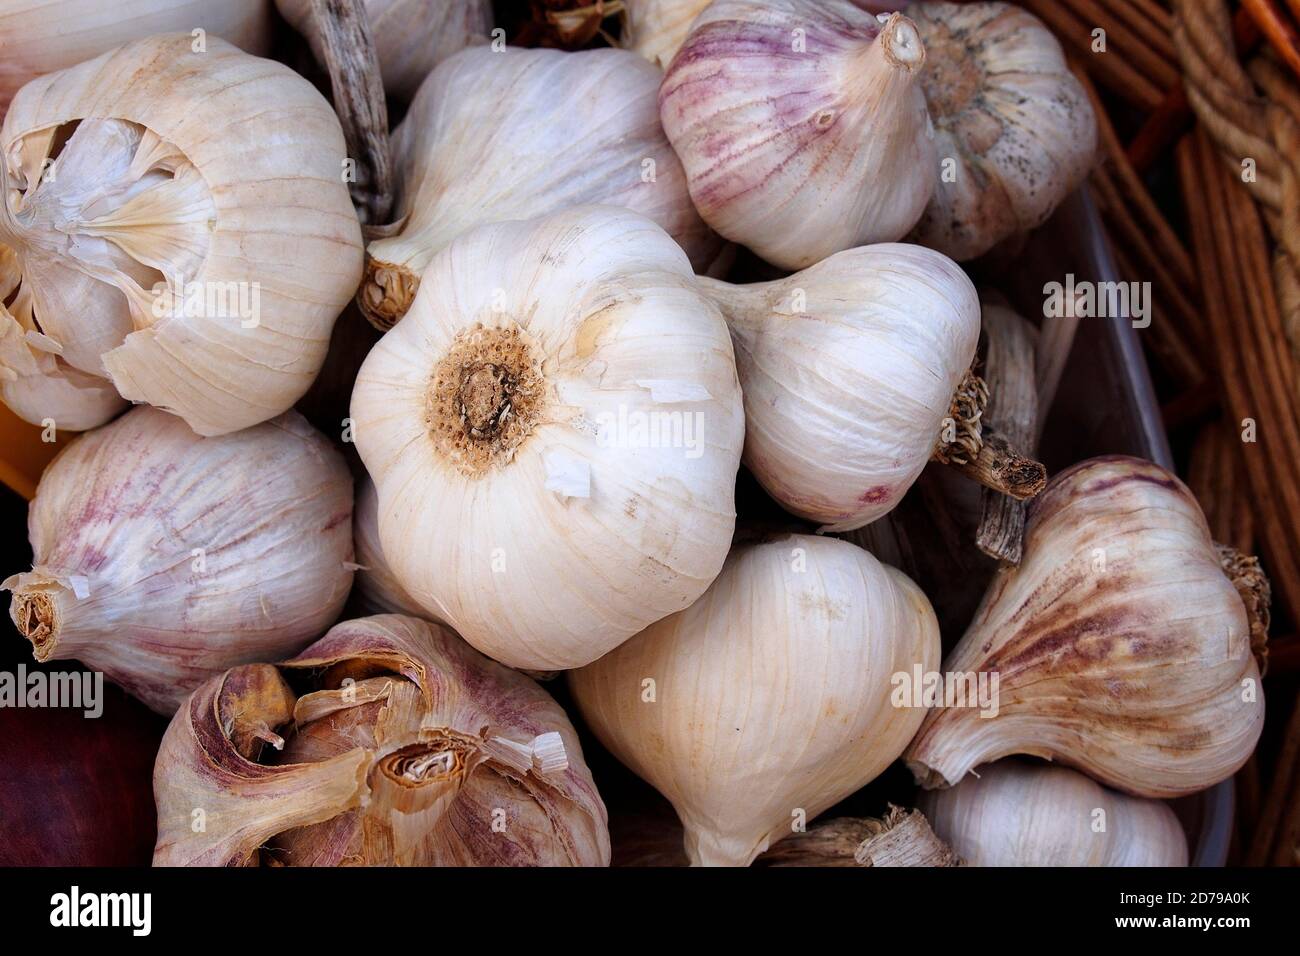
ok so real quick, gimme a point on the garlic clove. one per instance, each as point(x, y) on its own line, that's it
point(411, 37)
point(161, 558)
point(554, 431)
point(801, 126)
point(656, 29)
point(1119, 645)
point(769, 699)
point(848, 370)
point(1016, 813)
point(519, 134)
point(172, 235)
point(406, 747)
point(1008, 114)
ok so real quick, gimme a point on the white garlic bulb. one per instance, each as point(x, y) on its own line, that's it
point(162, 558)
point(848, 370)
point(801, 126)
point(520, 134)
point(554, 430)
point(37, 36)
point(174, 227)
point(401, 746)
point(1022, 814)
point(376, 585)
point(769, 699)
point(411, 37)
point(1008, 114)
point(1119, 644)
point(656, 29)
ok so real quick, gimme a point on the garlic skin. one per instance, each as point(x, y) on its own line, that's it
point(162, 558)
point(190, 246)
point(518, 499)
point(848, 370)
point(520, 134)
point(36, 35)
point(409, 749)
point(1009, 114)
point(411, 37)
point(1122, 648)
point(801, 126)
point(656, 29)
point(768, 696)
point(376, 585)
point(1020, 814)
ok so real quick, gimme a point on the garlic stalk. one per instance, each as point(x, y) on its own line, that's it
point(656, 29)
point(554, 432)
point(1014, 129)
point(377, 587)
point(174, 228)
point(848, 370)
point(1119, 645)
point(519, 134)
point(411, 37)
point(769, 699)
point(391, 742)
point(900, 838)
point(39, 36)
point(801, 126)
point(162, 558)
point(1022, 814)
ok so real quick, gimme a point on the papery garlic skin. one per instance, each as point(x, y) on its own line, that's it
point(1020, 814)
point(770, 695)
point(519, 134)
point(1121, 647)
point(1009, 114)
point(411, 37)
point(413, 750)
point(848, 369)
point(518, 499)
point(37, 36)
point(190, 246)
point(801, 126)
point(162, 558)
point(656, 29)
point(376, 585)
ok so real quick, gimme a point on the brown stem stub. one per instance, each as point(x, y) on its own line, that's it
point(1252, 585)
point(900, 838)
point(386, 293)
point(1002, 468)
point(36, 616)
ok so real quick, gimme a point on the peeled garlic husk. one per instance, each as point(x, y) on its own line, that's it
point(174, 228)
point(769, 699)
point(411, 37)
point(162, 558)
point(520, 134)
point(397, 744)
point(1021, 814)
point(801, 126)
point(656, 29)
point(554, 431)
point(36, 35)
point(1015, 131)
point(848, 370)
point(377, 587)
point(1120, 646)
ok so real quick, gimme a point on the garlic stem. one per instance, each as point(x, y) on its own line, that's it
point(981, 453)
point(966, 413)
point(900, 838)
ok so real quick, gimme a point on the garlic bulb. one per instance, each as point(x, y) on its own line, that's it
point(162, 558)
point(175, 228)
point(520, 134)
point(801, 126)
point(1021, 814)
point(1119, 645)
point(411, 37)
point(377, 586)
point(656, 29)
point(37, 36)
point(769, 699)
point(1014, 129)
point(554, 431)
point(848, 370)
point(402, 745)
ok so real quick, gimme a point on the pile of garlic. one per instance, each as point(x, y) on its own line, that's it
point(546, 441)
